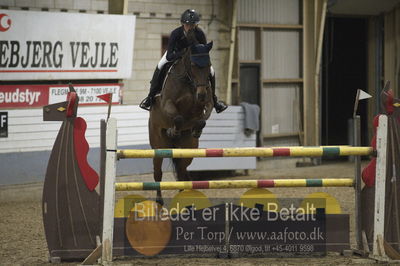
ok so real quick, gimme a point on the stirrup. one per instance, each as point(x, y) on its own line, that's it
point(220, 107)
point(146, 103)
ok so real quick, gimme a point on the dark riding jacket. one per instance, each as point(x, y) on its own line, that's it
point(178, 42)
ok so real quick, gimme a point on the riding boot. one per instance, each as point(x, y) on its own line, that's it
point(219, 106)
point(154, 89)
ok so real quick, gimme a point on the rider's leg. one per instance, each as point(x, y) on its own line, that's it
point(218, 105)
point(154, 84)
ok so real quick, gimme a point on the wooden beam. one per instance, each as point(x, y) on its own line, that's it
point(309, 97)
point(281, 135)
point(396, 87)
point(109, 193)
point(282, 80)
point(357, 177)
point(389, 49)
point(319, 34)
point(231, 53)
point(94, 256)
point(271, 26)
point(257, 61)
point(371, 73)
point(380, 184)
point(258, 42)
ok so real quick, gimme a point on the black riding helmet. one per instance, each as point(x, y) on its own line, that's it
point(190, 16)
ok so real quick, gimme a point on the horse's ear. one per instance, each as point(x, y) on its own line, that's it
point(209, 45)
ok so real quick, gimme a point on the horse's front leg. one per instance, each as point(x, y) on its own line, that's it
point(198, 128)
point(157, 164)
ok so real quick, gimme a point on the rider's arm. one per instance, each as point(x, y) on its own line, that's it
point(172, 52)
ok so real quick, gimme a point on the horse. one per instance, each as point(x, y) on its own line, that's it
point(179, 113)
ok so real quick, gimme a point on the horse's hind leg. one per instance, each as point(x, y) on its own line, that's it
point(181, 168)
point(157, 164)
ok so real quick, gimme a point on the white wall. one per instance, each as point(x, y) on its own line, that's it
point(27, 132)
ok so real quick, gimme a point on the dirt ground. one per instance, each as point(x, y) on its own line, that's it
point(22, 236)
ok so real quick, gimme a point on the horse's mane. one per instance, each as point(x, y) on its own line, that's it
point(191, 37)
point(185, 59)
point(192, 40)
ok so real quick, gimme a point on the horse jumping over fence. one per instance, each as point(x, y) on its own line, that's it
point(179, 114)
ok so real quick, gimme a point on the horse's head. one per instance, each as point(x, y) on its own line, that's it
point(199, 70)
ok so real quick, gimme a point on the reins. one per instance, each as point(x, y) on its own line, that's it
point(187, 75)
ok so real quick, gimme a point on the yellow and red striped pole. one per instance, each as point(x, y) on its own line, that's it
point(230, 184)
point(322, 151)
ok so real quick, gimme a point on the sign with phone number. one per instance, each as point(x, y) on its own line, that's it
point(28, 96)
point(87, 93)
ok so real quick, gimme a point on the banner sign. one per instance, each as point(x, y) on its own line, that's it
point(14, 96)
point(45, 45)
point(27, 96)
point(3, 124)
point(252, 226)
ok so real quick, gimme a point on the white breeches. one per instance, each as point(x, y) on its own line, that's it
point(163, 61)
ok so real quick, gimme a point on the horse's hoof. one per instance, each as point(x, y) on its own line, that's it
point(160, 201)
point(178, 121)
point(196, 134)
point(173, 134)
point(200, 124)
point(169, 133)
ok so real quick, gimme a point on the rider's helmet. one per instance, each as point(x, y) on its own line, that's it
point(190, 16)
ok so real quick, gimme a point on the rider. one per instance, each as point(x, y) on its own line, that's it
point(176, 45)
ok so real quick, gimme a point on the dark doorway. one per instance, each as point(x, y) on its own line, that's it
point(250, 83)
point(250, 87)
point(344, 71)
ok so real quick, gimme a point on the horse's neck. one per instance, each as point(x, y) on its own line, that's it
point(182, 65)
point(179, 90)
point(179, 68)
point(178, 73)
point(169, 70)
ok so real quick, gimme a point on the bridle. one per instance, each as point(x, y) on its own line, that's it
point(188, 75)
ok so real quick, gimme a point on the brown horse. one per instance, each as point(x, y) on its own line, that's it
point(178, 116)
